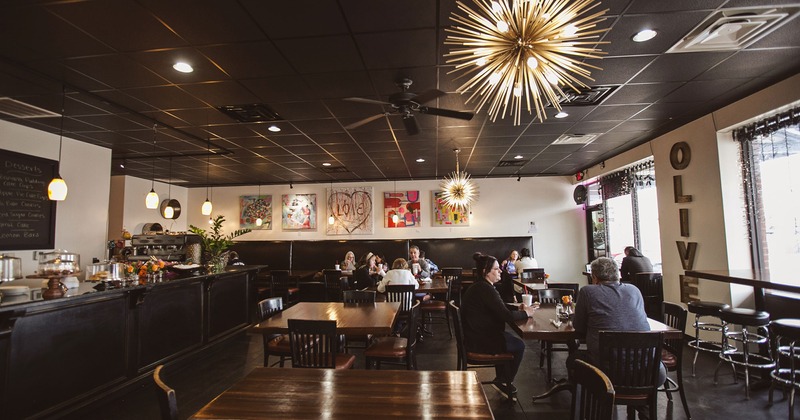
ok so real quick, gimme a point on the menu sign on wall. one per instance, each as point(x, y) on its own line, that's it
point(27, 216)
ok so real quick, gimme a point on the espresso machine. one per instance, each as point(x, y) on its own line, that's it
point(176, 246)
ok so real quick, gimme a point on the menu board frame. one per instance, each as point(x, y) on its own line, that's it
point(29, 173)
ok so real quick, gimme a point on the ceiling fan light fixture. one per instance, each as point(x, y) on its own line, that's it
point(530, 52)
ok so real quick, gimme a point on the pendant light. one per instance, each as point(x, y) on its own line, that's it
point(331, 219)
point(57, 190)
point(151, 201)
point(205, 210)
point(259, 221)
point(395, 217)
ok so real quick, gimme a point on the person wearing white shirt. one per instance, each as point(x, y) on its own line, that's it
point(399, 274)
point(525, 261)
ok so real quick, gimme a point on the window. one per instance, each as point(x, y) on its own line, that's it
point(771, 166)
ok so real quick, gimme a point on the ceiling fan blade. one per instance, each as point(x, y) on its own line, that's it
point(428, 95)
point(411, 124)
point(461, 115)
point(364, 121)
point(367, 101)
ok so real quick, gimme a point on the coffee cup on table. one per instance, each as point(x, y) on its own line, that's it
point(527, 300)
point(337, 267)
point(414, 269)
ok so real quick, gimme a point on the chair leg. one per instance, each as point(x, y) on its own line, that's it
point(549, 361)
point(542, 355)
point(667, 390)
point(449, 328)
point(683, 394)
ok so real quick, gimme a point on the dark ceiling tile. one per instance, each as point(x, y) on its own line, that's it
point(286, 20)
point(671, 27)
point(248, 61)
point(701, 89)
point(672, 6)
point(117, 71)
point(219, 94)
point(584, 127)
point(160, 62)
point(305, 110)
point(641, 93)
point(318, 126)
point(205, 22)
point(398, 49)
point(616, 70)
point(383, 15)
point(321, 55)
point(751, 64)
point(279, 89)
point(680, 66)
point(614, 112)
point(340, 84)
point(784, 36)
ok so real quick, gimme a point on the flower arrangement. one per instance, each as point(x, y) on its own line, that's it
point(566, 299)
point(151, 266)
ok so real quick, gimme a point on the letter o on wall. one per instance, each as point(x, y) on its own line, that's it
point(680, 155)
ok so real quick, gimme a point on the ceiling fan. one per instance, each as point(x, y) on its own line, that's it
point(406, 103)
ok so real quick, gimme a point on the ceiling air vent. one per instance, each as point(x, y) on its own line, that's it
point(515, 162)
point(250, 113)
point(333, 169)
point(19, 109)
point(592, 96)
point(733, 29)
point(575, 139)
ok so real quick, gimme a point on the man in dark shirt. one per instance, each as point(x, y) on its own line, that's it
point(484, 317)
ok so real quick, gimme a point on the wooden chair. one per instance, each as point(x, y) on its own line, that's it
point(452, 276)
point(284, 286)
point(472, 360)
point(312, 292)
point(593, 398)
point(167, 401)
point(651, 286)
point(358, 296)
point(274, 344)
point(632, 360)
point(396, 350)
point(672, 352)
point(551, 296)
point(315, 344)
point(571, 286)
point(334, 284)
point(403, 293)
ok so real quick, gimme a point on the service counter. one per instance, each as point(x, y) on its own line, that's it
point(61, 354)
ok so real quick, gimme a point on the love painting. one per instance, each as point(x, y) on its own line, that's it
point(350, 209)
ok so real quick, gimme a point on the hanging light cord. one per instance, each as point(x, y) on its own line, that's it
point(153, 178)
point(208, 162)
point(169, 182)
point(61, 131)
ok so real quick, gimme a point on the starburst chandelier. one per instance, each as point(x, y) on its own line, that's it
point(458, 191)
point(525, 52)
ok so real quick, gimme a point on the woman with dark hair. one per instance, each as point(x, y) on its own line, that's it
point(484, 317)
point(634, 262)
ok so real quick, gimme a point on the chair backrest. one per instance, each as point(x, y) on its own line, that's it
point(452, 275)
point(651, 286)
point(358, 296)
point(593, 398)
point(312, 292)
point(675, 317)
point(572, 286)
point(314, 343)
point(631, 360)
point(455, 314)
point(411, 332)
point(281, 282)
point(269, 307)
point(532, 275)
point(550, 296)
point(403, 293)
point(334, 284)
point(167, 401)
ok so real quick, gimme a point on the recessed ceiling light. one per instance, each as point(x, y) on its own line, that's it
point(518, 157)
point(326, 164)
point(420, 160)
point(274, 128)
point(183, 67)
point(644, 35)
point(562, 114)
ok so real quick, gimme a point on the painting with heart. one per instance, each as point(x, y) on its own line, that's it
point(350, 209)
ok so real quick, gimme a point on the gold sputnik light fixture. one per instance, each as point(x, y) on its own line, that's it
point(458, 191)
point(519, 53)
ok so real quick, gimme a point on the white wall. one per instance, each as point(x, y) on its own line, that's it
point(135, 214)
point(81, 219)
point(505, 208)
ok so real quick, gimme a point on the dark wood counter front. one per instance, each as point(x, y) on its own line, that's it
point(59, 355)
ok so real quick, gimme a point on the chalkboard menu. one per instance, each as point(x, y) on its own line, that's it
point(27, 216)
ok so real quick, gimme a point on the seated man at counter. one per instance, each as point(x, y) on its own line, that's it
point(607, 305)
point(422, 270)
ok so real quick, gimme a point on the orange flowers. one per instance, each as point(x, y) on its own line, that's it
point(149, 267)
point(566, 300)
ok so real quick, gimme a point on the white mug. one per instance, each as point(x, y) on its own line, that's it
point(337, 267)
point(414, 269)
point(527, 300)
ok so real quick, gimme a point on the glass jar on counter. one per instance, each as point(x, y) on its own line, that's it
point(59, 263)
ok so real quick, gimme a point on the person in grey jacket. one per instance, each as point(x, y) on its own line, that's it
point(634, 262)
point(424, 271)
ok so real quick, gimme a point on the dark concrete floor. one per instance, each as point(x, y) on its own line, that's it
point(198, 380)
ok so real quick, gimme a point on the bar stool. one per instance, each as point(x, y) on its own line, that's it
point(745, 318)
point(701, 309)
point(786, 329)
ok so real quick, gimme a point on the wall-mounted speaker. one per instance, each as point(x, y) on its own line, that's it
point(579, 194)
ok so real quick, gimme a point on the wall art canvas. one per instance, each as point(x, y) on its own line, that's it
point(405, 204)
point(251, 207)
point(299, 211)
point(443, 215)
point(352, 212)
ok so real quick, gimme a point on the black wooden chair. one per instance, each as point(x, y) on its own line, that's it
point(358, 296)
point(472, 360)
point(396, 350)
point(593, 398)
point(452, 276)
point(571, 286)
point(651, 286)
point(672, 352)
point(284, 286)
point(335, 284)
point(313, 291)
point(315, 344)
point(632, 360)
point(274, 344)
point(167, 401)
point(551, 296)
point(403, 293)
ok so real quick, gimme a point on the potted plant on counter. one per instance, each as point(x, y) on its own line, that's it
point(215, 244)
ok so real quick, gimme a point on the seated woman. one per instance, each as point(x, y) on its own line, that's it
point(508, 265)
point(349, 262)
point(399, 274)
point(368, 273)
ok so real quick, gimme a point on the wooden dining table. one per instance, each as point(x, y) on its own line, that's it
point(351, 318)
point(350, 394)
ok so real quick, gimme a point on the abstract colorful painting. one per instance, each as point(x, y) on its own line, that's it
point(351, 209)
point(251, 207)
point(299, 211)
point(443, 215)
point(405, 204)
